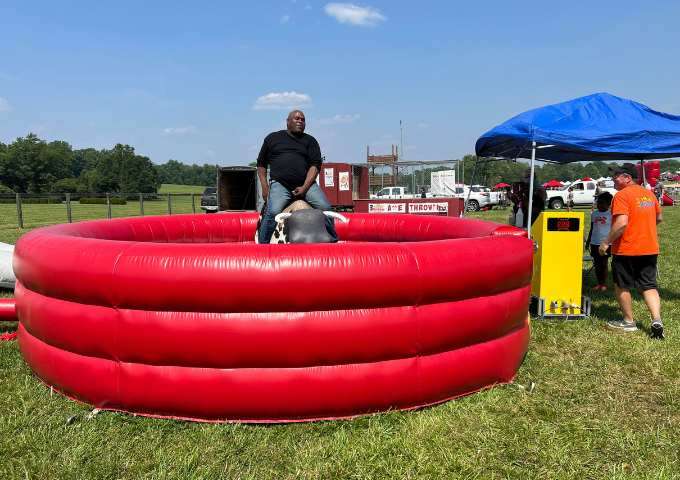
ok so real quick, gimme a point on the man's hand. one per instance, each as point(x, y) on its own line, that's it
point(603, 248)
point(299, 191)
point(265, 191)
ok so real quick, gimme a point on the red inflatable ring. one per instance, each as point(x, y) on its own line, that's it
point(184, 317)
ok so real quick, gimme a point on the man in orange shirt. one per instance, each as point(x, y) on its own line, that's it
point(635, 248)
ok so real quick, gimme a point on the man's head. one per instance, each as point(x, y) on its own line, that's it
point(295, 123)
point(623, 175)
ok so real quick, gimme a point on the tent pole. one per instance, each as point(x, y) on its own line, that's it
point(531, 189)
point(642, 172)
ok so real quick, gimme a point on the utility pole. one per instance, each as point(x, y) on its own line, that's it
point(401, 138)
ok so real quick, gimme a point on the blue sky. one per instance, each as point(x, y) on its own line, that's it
point(204, 82)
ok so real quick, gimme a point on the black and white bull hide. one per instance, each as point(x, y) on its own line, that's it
point(300, 223)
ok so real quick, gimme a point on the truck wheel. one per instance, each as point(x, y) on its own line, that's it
point(472, 206)
point(556, 203)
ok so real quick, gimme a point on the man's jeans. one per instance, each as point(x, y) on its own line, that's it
point(280, 197)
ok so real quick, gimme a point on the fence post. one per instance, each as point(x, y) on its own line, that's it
point(68, 208)
point(20, 213)
point(169, 203)
point(193, 202)
point(108, 205)
point(141, 204)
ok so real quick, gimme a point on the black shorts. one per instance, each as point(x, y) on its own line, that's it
point(634, 271)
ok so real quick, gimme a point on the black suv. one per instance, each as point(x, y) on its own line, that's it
point(209, 200)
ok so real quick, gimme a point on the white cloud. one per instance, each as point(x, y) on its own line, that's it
point(285, 19)
point(354, 14)
point(340, 119)
point(4, 105)
point(179, 130)
point(282, 101)
point(423, 125)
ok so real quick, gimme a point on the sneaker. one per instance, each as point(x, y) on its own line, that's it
point(657, 330)
point(622, 326)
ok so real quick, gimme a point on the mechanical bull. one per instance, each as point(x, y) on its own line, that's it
point(300, 223)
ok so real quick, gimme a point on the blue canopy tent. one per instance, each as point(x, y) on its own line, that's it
point(596, 127)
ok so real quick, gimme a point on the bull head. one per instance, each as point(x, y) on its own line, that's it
point(306, 226)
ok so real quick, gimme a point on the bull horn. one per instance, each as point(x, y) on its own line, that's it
point(342, 218)
point(282, 216)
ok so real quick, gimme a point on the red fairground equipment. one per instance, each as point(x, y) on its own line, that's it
point(183, 316)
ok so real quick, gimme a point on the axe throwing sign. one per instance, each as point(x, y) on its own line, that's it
point(441, 208)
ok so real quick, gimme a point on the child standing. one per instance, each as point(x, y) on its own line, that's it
point(600, 224)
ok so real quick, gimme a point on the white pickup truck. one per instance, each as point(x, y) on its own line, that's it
point(476, 195)
point(393, 193)
point(579, 193)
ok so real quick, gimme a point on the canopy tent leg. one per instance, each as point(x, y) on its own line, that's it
point(531, 189)
point(642, 172)
point(472, 182)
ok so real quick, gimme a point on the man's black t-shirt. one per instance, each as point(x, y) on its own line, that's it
point(289, 157)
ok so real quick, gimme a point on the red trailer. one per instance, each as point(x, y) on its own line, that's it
point(343, 183)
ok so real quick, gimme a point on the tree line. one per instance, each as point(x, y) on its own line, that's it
point(32, 165)
point(491, 172)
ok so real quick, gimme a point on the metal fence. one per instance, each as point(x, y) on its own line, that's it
point(31, 210)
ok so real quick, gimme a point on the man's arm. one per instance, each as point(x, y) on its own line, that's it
point(309, 180)
point(659, 218)
point(618, 227)
point(262, 162)
point(262, 175)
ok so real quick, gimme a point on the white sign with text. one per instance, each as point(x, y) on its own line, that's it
point(386, 208)
point(429, 207)
point(328, 177)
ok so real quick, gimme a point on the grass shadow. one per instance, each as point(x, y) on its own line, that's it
point(667, 294)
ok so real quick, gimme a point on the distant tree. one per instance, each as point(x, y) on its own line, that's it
point(84, 159)
point(18, 164)
point(66, 185)
point(29, 165)
point(57, 158)
point(88, 182)
point(120, 170)
point(171, 172)
point(179, 173)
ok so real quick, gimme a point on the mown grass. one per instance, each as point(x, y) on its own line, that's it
point(586, 403)
point(174, 188)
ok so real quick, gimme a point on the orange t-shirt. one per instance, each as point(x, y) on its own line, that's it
point(641, 206)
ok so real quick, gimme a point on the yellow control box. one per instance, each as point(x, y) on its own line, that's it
point(556, 285)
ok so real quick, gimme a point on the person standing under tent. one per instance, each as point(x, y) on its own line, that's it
point(600, 224)
point(635, 248)
point(520, 198)
point(658, 191)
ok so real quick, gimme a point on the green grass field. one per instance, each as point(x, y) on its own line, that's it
point(39, 215)
point(173, 188)
point(586, 403)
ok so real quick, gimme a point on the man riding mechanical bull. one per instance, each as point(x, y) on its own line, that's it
point(293, 159)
